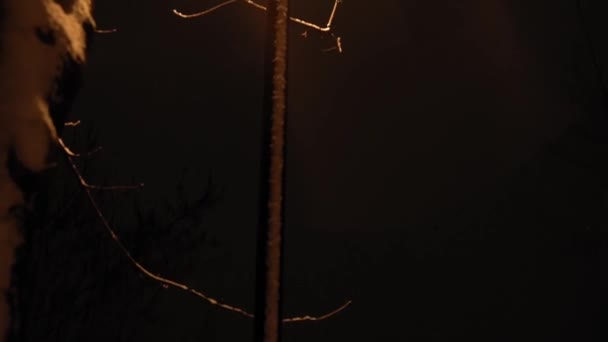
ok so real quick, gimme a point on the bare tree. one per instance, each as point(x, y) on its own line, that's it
point(43, 49)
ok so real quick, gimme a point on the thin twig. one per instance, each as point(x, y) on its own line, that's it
point(166, 282)
point(199, 14)
point(106, 31)
point(77, 155)
point(337, 47)
point(333, 13)
point(326, 28)
point(84, 183)
point(71, 123)
point(318, 318)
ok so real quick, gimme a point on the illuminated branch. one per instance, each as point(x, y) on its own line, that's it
point(207, 11)
point(326, 28)
point(165, 282)
point(77, 155)
point(106, 31)
point(318, 318)
point(84, 183)
point(71, 123)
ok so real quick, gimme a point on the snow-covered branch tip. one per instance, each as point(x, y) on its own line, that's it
point(166, 282)
point(327, 28)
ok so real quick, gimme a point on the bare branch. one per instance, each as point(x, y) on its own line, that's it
point(337, 47)
point(106, 31)
point(83, 182)
point(199, 14)
point(326, 28)
point(77, 155)
point(166, 282)
point(333, 13)
point(71, 123)
point(318, 318)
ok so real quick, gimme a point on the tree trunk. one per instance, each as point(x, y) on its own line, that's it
point(269, 263)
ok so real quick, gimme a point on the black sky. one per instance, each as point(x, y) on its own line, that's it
point(441, 171)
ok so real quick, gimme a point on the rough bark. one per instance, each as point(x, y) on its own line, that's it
point(269, 266)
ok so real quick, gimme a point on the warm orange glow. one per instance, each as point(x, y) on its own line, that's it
point(326, 28)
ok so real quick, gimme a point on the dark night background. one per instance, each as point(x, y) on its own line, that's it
point(447, 172)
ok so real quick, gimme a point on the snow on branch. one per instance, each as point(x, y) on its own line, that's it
point(165, 282)
point(321, 28)
point(106, 31)
point(71, 123)
point(74, 154)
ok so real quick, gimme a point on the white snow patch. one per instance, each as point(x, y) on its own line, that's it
point(28, 69)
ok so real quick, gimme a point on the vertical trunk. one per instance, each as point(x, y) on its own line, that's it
point(268, 287)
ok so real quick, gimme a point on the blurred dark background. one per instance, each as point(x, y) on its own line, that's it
point(447, 172)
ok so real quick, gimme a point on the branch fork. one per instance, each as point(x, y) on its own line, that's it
point(164, 282)
point(321, 28)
